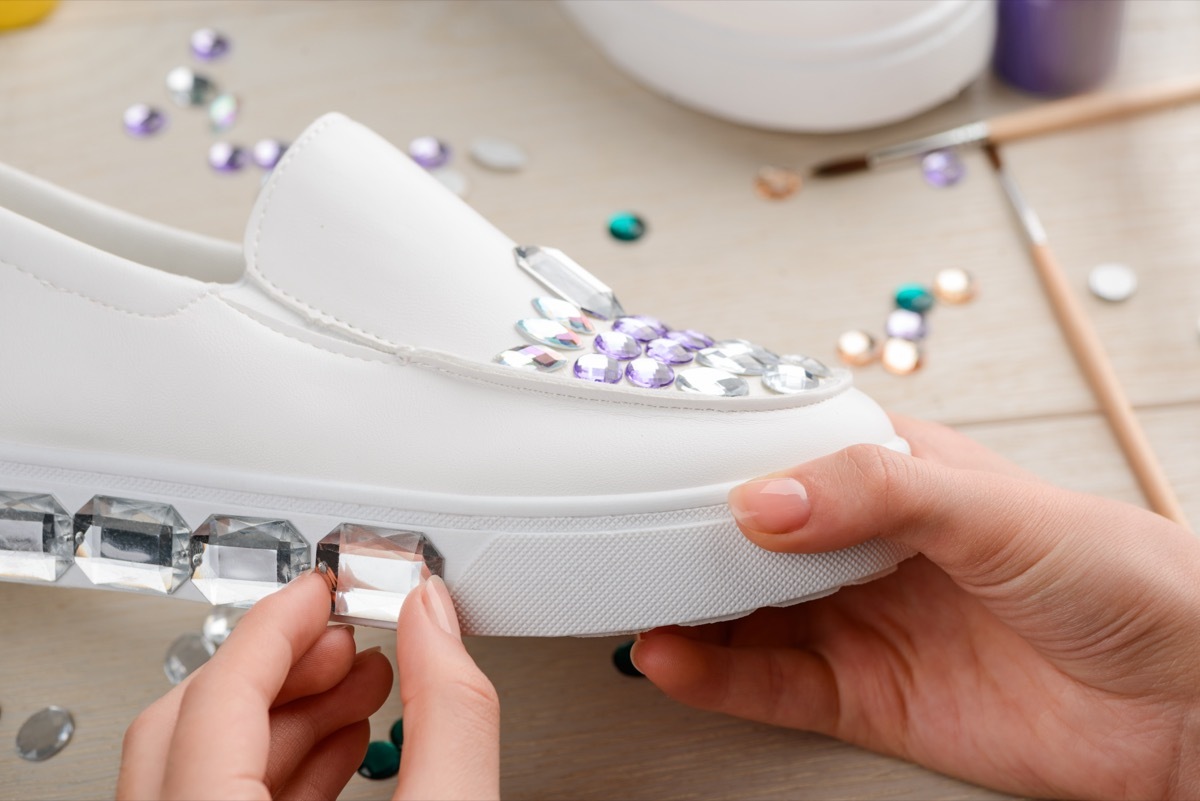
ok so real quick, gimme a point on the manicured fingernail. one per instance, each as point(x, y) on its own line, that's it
point(342, 626)
point(770, 505)
point(374, 649)
point(633, 653)
point(439, 607)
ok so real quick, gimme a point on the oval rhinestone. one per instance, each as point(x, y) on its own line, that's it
point(942, 168)
point(732, 357)
point(598, 368)
point(429, 151)
point(564, 312)
point(45, 733)
point(648, 373)
point(223, 111)
point(690, 339)
point(143, 120)
point(224, 157)
point(626, 226)
point(498, 154)
point(640, 327)
point(208, 44)
point(618, 345)
point(901, 356)
point(914, 297)
point(856, 348)
point(188, 88)
point(817, 368)
point(668, 351)
point(757, 351)
point(954, 285)
point(549, 332)
point(531, 357)
point(268, 152)
point(905, 324)
point(710, 381)
point(788, 379)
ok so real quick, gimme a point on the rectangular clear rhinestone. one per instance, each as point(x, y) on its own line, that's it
point(240, 560)
point(375, 568)
point(136, 545)
point(36, 537)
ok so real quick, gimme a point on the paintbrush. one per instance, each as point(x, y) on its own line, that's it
point(1046, 118)
point(1089, 353)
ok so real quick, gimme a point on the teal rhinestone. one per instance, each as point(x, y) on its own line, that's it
point(626, 226)
point(914, 297)
point(623, 660)
point(381, 762)
point(397, 733)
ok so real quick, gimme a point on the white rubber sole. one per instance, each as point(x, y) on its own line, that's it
point(516, 567)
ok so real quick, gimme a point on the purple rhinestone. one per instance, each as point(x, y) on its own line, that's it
point(429, 151)
point(207, 44)
point(646, 372)
point(905, 324)
point(224, 157)
point(690, 339)
point(668, 351)
point(640, 327)
point(598, 368)
point(942, 168)
point(143, 120)
point(268, 152)
point(618, 345)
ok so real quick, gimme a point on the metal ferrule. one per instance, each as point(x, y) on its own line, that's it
point(955, 137)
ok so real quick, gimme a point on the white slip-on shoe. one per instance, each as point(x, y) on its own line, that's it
point(382, 384)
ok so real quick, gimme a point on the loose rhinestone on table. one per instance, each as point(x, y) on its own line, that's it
point(905, 324)
point(599, 368)
point(549, 332)
point(45, 733)
point(564, 312)
point(648, 373)
point(396, 733)
point(138, 545)
point(914, 297)
point(942, 168)
point(452, 179)
point(788, 379)
point(623, 660)
point(776, 183)
point(186, 655)
point(382, 761)
point(429, 151)
point(814, 366)
point(498, 154)
point(1112, 282)
point(208, 44)
point(560, 274)
point(739, 358)
point(374, 568)
point(189, 88)
point(223, 111)
point(143, 120)
point(641, 327)
point(241, 560)
point(901, 356)
point(36, 537)
point(857, 348)
point(710, 381)
point(668, 351)
point(954, 285)
point(617, 345)
point(267, 152)
point(626, 226)
point(531, 357)
point(225, 157)
point(219, 624)
point(690, 339)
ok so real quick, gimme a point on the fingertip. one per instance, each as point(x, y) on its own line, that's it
point(684, 669)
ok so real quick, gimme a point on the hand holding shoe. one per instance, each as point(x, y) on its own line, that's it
point(1042, 642)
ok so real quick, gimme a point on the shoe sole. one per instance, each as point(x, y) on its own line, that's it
point(672, 558)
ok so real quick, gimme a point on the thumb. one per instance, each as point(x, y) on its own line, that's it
point(451, 711)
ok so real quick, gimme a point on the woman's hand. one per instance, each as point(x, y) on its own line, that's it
point(1042, 642)
point(281, 710)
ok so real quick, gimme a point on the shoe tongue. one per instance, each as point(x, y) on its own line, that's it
point(352, 232)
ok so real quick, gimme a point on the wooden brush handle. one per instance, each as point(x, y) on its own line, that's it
point(1098, 370)
point(1088, 109)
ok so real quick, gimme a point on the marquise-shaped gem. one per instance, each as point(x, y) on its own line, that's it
point(561, 311)
point(732, 357)
point(549, 332)
point(560, 274)
point(531, 357)
point(788, 379)
point(710, 381)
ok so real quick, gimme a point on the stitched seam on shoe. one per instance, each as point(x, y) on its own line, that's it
point(255, 267)
point(145, 315)
point(383, 360)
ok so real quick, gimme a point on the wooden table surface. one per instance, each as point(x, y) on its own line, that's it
point(792, 274)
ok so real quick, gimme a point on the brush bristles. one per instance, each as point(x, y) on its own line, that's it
point(841, 167)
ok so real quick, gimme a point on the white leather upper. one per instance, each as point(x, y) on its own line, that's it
point(365, 262)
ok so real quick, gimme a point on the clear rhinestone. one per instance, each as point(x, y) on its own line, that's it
point(710, 381)
point(599, 368)
point(188, 88)
point(137, 545)
point(220, 624)
point(648, 373)
point(561, 311)
point(452, 179)
point(531, 357)
point(735, 356)
point(817, 368)
point(45, 734)
point(757, 351)
point(690, 339)
point(36, 538)
point(618, 345)
point(223, 111)
point(560, 274)
point(668, 351)
point(186, 655)
point(549, 332)
point(857, 348)
point(640, 327)
point(241, 560)
point(374, 568)
point(788, 379)
point(954, 285)
point(498, 154)
point(1112, 282)
point(901, 356)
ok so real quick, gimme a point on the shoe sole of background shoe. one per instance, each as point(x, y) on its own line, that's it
point(515, 566)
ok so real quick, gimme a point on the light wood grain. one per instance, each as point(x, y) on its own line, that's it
point(792, 274)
